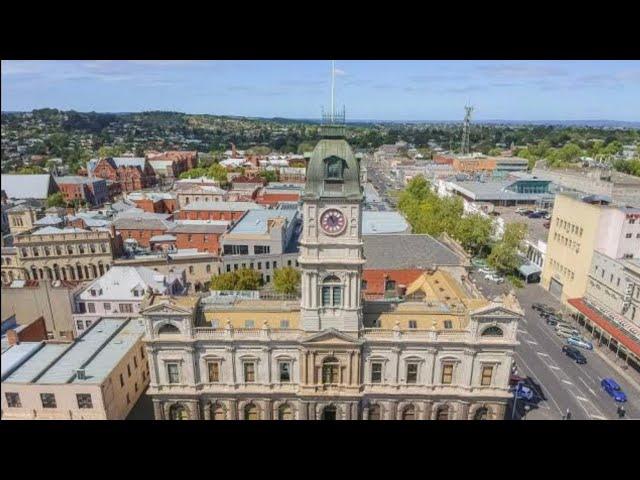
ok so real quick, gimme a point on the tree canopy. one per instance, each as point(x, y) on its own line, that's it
point(215, 171)
point(243, 279)
point(504, 254)
point(56, 200)
point(286, 280)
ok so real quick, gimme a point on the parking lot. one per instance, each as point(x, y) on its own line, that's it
point(559, 382)
point(535, 226)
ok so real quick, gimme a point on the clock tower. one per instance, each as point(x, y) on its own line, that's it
point(331, 256)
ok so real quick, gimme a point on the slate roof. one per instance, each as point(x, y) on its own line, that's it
point(223, 206)
point(204, 227)
point(26, 186)
point(406, 251)
point(142, 222)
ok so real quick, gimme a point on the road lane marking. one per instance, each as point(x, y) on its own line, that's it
point(566, 381)
point(546, 391)
point(597, 417)
point(588, 387)
point(531, 342)
point(543, 354)
point(582, 399)
point(553, 367)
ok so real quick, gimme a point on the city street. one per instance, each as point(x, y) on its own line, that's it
point(559, 381)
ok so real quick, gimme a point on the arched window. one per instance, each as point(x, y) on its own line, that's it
point(285, 412)
point(58, 250)
point(178, 412)
point(482, 413)
point(409, 413)
point(374, 412)
point(442, 413)
point(331, 371)
point(331, 292)
point(217, 412)
point(329, 413)
point(492, 331)
point(168, 329)
point(251, 412)
point(334, 168)
point(47, 251)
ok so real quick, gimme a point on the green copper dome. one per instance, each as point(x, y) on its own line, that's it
point(333, 170)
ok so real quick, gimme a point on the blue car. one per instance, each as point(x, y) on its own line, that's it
point(610, 386)
point(580, 342)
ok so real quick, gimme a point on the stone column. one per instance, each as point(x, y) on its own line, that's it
point(194, 406)
point(427, 410)
point(206, 410)
point(463, 411)
point(268, 409)
point(158, 411)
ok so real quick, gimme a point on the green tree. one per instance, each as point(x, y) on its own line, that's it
point(269, 175)
point(31, 170)
point(495, 152)
point(244, 279)
point(217, 172)
point(105, 152)
point(259, 150)
point(286, 280)
point(305, 147)
point(504, 254)
point(474, 233)
point(56, 200)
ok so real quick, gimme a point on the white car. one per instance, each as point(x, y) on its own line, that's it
point(494, 278)
point(487, 271)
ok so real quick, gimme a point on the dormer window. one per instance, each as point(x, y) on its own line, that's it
point(93, 293)
point(334, 168)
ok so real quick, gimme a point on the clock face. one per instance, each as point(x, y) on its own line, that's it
point(333, 222)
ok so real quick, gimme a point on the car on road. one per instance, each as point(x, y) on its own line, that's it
point(568, 328)
point(494, 278)
point(523, 211)
point(578, 341)
point(535, 215)
point(524, 393)
point(564, 333)
point(540, 307)
point(574, 353)
point(610, 386)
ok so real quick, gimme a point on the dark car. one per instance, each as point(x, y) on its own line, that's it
point(574, 353)
point(535, 215)
point(539, 306)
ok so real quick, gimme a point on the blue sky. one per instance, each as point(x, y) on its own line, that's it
point(385, 90)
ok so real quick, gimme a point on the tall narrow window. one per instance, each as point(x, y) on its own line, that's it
point(173, 372)
point(326, 295)
point(412, 372)
point(48, 400)
point(330, 371)
point(376, 372)
point(447, 373)
point(249, 372)
point(214, 371)
point(285, 372)
point(487, 374)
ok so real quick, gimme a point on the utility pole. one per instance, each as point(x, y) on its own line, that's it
point(466, 127)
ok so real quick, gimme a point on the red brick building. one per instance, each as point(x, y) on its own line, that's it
point(93, 191)
point(172, 163)
point(272, 196)
point(129, 172)
point(202, 235)
point(229, 211)
point(153, 202)
point(142, 228)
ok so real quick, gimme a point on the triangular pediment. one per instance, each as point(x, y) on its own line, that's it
point(332, 336)
point(494, 311)
point(165, 308)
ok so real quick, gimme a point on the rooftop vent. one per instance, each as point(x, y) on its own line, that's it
point(81, 374)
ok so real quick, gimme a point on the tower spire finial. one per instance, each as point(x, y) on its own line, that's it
point(333, 87)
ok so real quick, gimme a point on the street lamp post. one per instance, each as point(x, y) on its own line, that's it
point(526, 411)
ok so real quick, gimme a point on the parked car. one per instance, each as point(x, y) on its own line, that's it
point(479, 262)
point(487, 271)
point(568, 328)
point(539, 306)
point(552, 322)
point(494, 278)
point(574, 353)
point(564, 333)
point(534, 215)
point(578, 341)
point(524, 393)
point(610, 386)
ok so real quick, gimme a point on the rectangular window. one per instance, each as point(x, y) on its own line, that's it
point(107, 306)
point(128, 399)
point(125, 308)
point(266, 265)
point(487, 374)
point(275, 264)
point(412, 372)
point(91, 307)
point(284, 323)
point(285, 372)
point(214, 371)
point(448, 324)
point(259, 265)
point(142, 352)
point(413, 324)
point(135, 361)
point(121, 380)
point(447, 374)
point(84, 400)
point(376, 372)
point(128, 370)
point(261, 249)
point(390, 285)
point(228, 268)
point(249, 372)
point(48, 400)
point(236, 250)
point(249, 324)
point(80, 324)
point(337, 296)
point(628, 235)
point(13, 400)
point(326, 295)
point(173, 372)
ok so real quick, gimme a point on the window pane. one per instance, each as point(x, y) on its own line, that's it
point(337, 296)
point(326, 295)
point(376, 372)
point(214, 371)
point(412, 373)
point(249, 372)
point(447, 374)
point(174, 373)
point(84, 400)
point(285, 372)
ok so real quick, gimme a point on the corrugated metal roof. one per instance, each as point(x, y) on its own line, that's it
point(32, 367)
point(26, 186)
point(223, 206)
point(255, 221)
point(383, 222)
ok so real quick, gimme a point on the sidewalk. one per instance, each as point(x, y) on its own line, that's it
point(609, 358)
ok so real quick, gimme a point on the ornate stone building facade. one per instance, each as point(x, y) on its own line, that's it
point(442, 352)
